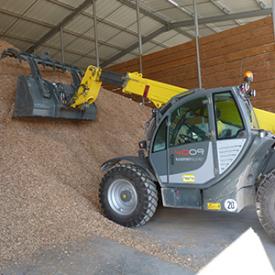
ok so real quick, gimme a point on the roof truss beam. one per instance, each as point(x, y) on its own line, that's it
point(188, 23)
point(64, 22)
point(222, 18)
point(132, 47)
point(101, 20)
point(47, 25)
point(30, 41)
point(153, 16)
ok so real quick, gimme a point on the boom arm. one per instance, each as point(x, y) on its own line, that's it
point(132, 83)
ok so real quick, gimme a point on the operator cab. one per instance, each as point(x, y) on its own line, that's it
point(200, 137)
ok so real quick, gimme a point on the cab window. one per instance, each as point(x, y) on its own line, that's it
point(160, 138)
point(227, 116)
point(190, 123)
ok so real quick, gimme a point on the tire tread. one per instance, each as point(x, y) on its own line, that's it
point(149, 190)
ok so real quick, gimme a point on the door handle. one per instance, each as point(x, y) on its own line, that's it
point(172, 159)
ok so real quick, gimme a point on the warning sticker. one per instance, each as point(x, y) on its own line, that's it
point(188, 178)
point(214, 206)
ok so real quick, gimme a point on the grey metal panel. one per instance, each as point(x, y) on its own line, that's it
point(267, 3)
point(146, 48)
point(22, 45)
point(42, 50)
point(207, 10)
point(154, 49)
point(15, 5)
point(177, 39)
point(47, 12)
point(207, 31)
point(156, 5)
point(79, 24)
point(133, 46)
point(174, 14)
point(149, 13)
point(70, 58)
point(5, 22)
point(27, 30)
point(251, 19)
point(147, 25)
point(106, 52)
point(144, 10)
point(107, 6)
point(124, 58)
point(221, 18)
point(165, 36)
point(189, 3)
point(55, 40)
point(123, 39)
point(106, 32)
point(239, 6)
point(73, 3)
point(81, 45)
point(23, 42)
point(104, 8)
point(65, 21)
point(123, 16)
point(85, 62)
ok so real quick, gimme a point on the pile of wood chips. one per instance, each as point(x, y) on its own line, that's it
point(50, 172)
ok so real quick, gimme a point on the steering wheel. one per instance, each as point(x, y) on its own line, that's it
point(185, 139)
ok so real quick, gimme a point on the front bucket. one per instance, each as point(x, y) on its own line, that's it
point(39, 97)
point(30, 102)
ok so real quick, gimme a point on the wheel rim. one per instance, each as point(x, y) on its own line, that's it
point(122, 197)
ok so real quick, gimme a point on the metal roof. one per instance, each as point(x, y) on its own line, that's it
point(35, 24)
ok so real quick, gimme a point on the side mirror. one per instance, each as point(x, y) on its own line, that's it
point(245, 86)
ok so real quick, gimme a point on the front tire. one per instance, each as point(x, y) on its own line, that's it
point(127, 196)
point(265, 203)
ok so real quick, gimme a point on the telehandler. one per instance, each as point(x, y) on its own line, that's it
point(205, 149)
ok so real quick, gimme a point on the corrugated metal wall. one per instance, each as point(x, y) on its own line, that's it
point(224, 58)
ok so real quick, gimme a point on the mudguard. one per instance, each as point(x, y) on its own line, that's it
point(141, 162)
point(270, 163)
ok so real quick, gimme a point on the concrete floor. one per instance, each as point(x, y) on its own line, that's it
point(199, 235)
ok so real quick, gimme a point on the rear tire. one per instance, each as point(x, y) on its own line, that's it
point(127, 196)
point(265, 203)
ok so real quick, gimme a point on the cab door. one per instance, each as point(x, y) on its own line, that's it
point(190, 147)
point(231, 135)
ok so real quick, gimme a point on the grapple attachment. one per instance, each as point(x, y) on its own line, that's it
point(39, 97)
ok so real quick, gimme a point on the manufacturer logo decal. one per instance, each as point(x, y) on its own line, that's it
point(190, 152)
point(214, 206)
point(231, 205)
point(188, 178)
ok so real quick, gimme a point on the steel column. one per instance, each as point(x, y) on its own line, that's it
point(62, 45)
point(96, 34)
point(197, 42)
point(139, 37)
